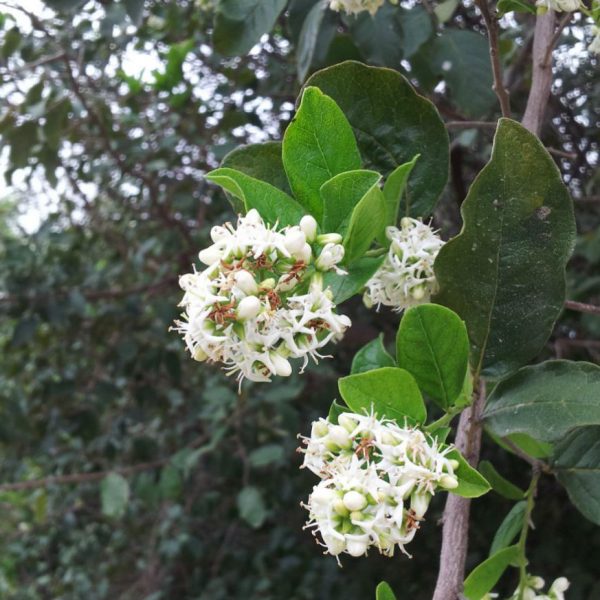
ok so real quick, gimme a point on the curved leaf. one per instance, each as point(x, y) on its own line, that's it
point(471, 483)
point(372, 98)
point(484, 577)
point(372, 356)
point(504, 274)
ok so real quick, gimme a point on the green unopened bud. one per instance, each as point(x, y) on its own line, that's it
point(199, 355)
point(354, 501)
point(448, 482)
point(357, 516)
point(454, 464)
point(419, 502)
point(347, 422)
point(267, 284)
point(338, 435)
point(329, 238)
point(418, 292)
point(340, 508)
point(319, 429)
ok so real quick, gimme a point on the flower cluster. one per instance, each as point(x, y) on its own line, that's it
point(406, 277)
point(560, 5)
point(353, 7)
point(260, 301)
point(532, 590)
point(377, 480)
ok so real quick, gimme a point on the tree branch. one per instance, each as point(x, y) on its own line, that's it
point(583, 307)
point(456, 514)
point(541, 82)
point(491, 23)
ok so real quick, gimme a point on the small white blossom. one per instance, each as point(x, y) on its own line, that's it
point(377, 480)
point(260, 302)
point(354, 7)
point(533, 587)
point(560, 5)
point(406, 277)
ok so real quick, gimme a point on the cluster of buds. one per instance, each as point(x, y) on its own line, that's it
point(533, 587)
point(353, 7)
point(377, 480)
point(406, 277)
point(260, 300)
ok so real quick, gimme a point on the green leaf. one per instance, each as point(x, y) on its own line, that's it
point(345, 286)
point(266, 455)
point(273, 205)
point(393, 189)
point(384, 592)
point(416, 28)
point(484, 577)
point(341, 194)
point(499, 484)
point(372, 98)
point(506, 6)
point(335, 410)
point(471, 483)
point(432, 344)
point(114, 493)
point(391, 392)
point(239, 24)
point(309, 38)
point(576, 462)
point(251, 506)
point(366, 223)
point(505, 273)
point(372, 356)
point(379, 36)
point(545, 401)
point(509, 528)
point(444, 10)
point(261, 161)
point(462, 59)
point(317, 145)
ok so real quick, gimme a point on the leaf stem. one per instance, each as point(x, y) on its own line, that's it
point(531, 493)
point(444, 420)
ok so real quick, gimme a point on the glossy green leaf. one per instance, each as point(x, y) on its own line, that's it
point(358, 273)
point(500, 484)
point(444, 10)
point(509, 528)
point(309, 38)
point(341, 194)
point(432, 344)
point(505, 273)
point(372, 356)
point(393, 188)
point(384, 592)
point(471, 483)
point(274, 205)
point(335, 410)
point(484, 577)
point(391, 392)
point(114, 493)
point(261, 161)
point(545, 401)
point(239, 24)
point(372, 98)
point(251, 506)
point(366, 223)
point(576, 462)
point(318, 144)
point(416, 27)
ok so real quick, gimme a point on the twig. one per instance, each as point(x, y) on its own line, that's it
point(491, 23)
point(471, 124)
point(583, 307)
point(455, 532)
point(561, 25)
point(542, 73)
point(534, 462)
point(562, 153)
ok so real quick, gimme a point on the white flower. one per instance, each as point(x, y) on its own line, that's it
point(534, 584)
point(377, 480)
point(406, 277)
point(331, 255)
point(560, 5)
point(353, 7)
point(594, 46)
point(308, 224)
point(259, 302)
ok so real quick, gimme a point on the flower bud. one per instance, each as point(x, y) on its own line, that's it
point(419, 502)
point(282, 365)
point(319, 429)
point(248, 308)
point(454, 464)
point(267, 284)
point(305, 254)
point(294, 240)
point(253, 217)
point(199, 354)
point(244, 280)
point(367, 301)
point(211, 255)
point(418, 292)
point(308, 224)
point(357, 516)
point(340, 508)
point(536, 582)
point(354, 501)
point(356, 547)
point(559, 587)
point(329, 238)
point(339, 436)
point(322, 496)
point(347, 422)
point(218, 233)
point(448, 482)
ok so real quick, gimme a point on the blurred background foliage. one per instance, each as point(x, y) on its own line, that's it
point(150, 477)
